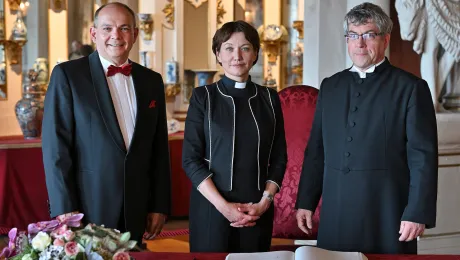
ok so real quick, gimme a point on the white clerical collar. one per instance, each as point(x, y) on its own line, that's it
point(362, 74)
point(240, 85)
point(106, 63)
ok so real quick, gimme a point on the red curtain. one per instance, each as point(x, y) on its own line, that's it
point(23, 195)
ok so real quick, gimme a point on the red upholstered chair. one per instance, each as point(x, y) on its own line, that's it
point(298, 104)
point(4, 231)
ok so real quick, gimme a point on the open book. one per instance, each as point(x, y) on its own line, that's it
point(302, 253)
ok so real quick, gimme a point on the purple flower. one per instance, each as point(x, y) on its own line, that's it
point(10, 250)
point(45, 226)
point(72, 221)
point(6, 253)
point(49, 226)
point(12, 236)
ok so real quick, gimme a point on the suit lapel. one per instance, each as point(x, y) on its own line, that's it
point(141, 98)
point(104, 100)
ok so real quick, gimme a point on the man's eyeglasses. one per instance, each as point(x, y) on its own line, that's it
point(366, 36)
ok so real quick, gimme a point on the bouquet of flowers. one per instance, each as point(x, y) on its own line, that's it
point(64, 238)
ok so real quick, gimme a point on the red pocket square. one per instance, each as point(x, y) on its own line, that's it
point(152, 104)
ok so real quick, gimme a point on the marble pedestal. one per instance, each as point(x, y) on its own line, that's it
point(445, 237)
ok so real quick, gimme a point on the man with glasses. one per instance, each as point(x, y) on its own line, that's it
point(372, 154)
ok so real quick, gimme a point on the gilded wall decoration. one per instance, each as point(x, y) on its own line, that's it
point(220, 11)
point(168, 10)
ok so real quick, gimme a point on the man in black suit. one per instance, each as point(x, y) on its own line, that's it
point(105, 141)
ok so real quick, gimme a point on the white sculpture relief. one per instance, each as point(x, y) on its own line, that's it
point(434, 25)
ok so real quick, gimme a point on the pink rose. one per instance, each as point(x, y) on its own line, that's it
point(121, 256)
point(69, 235)
point(58, 242)
point(58, 233)
point(71, 248)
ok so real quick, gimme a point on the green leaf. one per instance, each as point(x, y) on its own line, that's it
point(125, 237)
point(34, 254)
point(81, 256)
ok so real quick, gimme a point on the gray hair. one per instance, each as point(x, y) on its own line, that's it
point(366, 13)
point(131, 12)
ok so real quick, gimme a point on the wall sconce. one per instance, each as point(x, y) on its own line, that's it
point(13, 45)
point(57, 5)
point(14, 5)
point(146, 26)
point(13, 50)
point(298, 25)
point(272, 38)
point(23, 7)
point(171, 90)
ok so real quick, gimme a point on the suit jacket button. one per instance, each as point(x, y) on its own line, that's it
point(352, 124)
point(354, 109)
point(346, 170)
point(349, 139)
point(347, 154)
point(357, 94)
point(360, 81)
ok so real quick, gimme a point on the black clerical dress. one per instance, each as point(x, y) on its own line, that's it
point(236, 138)
point(373, 157)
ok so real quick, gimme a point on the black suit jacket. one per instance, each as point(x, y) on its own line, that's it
point(209, 141)
point(88, 168)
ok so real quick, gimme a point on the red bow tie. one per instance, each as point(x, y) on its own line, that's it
point(125, 70)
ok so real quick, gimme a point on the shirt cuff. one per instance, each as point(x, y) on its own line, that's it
point(279, 188)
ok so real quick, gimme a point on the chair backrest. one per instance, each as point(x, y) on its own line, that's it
point(298, 104)
point(4, 231)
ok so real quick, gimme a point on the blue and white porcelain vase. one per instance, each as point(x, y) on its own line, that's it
point(205, 77)
point(29, 109)
point(172, 72)
point(188, 85)
point(41, 67)
point(19, 32)
point(2, 66)
point(2, 26)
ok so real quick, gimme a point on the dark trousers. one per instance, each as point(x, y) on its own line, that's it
point(210, 231)
point(122, 228)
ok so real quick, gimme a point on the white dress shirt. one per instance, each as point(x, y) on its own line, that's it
point(362, 74)
point(124, 100)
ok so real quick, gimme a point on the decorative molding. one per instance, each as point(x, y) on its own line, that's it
point(197, 3)
point(168, 10)
point(220, 11)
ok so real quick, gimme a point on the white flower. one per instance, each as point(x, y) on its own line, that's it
point(26, 257)
point(41, 241)
point(52, 253)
